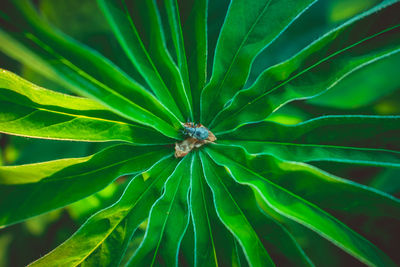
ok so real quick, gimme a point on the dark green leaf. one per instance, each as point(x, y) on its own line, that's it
point(122, 24)
point(303, 212)
point(174, 21)
point(371, 140)
point(214, 244)
point(283, 249)
point(280, 244)
point(145, 15)
point(238, 257)
point(368, 37)
point(321, 251)
point(195, 36)
point(205, 251)
point(387, 181)
point(364, 92)
point(248, 28)
point(187, 250)
point(325, 190)
point(169, 218)
point(232, 215)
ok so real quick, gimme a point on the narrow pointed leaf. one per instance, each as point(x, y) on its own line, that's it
point(169, 218)
point(23, 174)
point(123, 26)
point(214, 244)
point(64, 186)
point(63, 61)
point(205, 251)
point(103, 238)
point(364, 92)
point(75, 81)
point(280, 244)
point(366, 38)
point(195, 36)
point(344, 198)
point(14, 48)
point(225, 243)
point(303, 212)
point(238, 258)
point(318, 187)
point(232, 215)
point(174, 21)
point(371, 140)
point(186, 252)
point(248, 28)
point(145, 15)
point(30, 110)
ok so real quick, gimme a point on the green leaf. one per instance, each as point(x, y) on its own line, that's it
point(227, 250)
point(15, 49)
point(200, 199)
point(214, 244)
point(63, 61)
point(174, 20)
point(280, 244)
point(30, 110)
point(248, 28)
point(187, 247)
point(303, 212)
point(169, 218)
point(52, 190)
point(368, 37)
point(195, 36)
point(103, 239)
point(316, 186)
point(321, 251)
point(22, 174)
point(232, 215)
point(238, 258)
point(84, 22)
point(371, 140)
point(145, 15)
point(364, 92)
point(122, 24)
point(387, 181)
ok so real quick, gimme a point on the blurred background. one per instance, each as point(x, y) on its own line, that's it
point(370, 90)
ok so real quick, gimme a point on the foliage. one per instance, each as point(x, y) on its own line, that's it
point(259, 195)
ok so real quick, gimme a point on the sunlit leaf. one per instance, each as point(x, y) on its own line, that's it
point(30, 110)
point(104, 237)
point(59, 187)
point(68, 65)
point(141, 69)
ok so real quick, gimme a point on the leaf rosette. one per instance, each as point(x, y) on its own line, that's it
point(248, 193)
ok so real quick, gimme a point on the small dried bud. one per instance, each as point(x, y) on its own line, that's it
point(183, 148)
